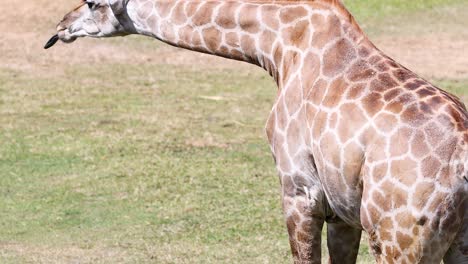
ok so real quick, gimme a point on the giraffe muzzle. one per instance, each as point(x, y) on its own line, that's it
point(51, 41)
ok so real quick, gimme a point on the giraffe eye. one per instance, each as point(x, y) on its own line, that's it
point(91, 5)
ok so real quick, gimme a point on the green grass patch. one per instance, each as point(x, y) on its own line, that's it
point(150, 167)
point(377, 9)
point(151, 163)
point(457, 87)
point(155, 169)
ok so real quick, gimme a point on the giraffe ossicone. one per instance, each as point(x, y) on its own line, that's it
point(360, 142)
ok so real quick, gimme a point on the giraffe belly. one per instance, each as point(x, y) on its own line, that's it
point(339, 172)
point(305, 164)
point(341, 190)
point(344, 205)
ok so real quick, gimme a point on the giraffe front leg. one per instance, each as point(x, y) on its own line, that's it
point(458, 252)
point(343, 243)
point(302, 205)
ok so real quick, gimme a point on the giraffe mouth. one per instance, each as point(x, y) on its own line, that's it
point(63, 35)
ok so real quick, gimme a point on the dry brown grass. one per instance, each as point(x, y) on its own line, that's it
point(65, 254)
point(433, 55)
point(22, 40)
point(436, 54)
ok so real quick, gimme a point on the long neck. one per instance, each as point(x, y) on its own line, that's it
point(277, 36)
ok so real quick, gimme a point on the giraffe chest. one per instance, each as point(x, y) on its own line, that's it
point(305, 161)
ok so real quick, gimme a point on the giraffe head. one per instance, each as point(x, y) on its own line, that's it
point(91, 18)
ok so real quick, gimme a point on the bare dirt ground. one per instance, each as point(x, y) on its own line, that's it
point(435, 51)
point(37, 254)
point(432, 43)
point(435, 54)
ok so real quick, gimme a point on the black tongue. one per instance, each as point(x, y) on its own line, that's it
point(51, 41)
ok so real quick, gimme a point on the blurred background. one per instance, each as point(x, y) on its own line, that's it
point(127, 150)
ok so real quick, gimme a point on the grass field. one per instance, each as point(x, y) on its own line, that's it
point(130, 151)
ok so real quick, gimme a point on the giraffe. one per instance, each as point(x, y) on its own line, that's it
point(359, 141)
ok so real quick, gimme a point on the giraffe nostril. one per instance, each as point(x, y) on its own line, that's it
point(60, 28)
